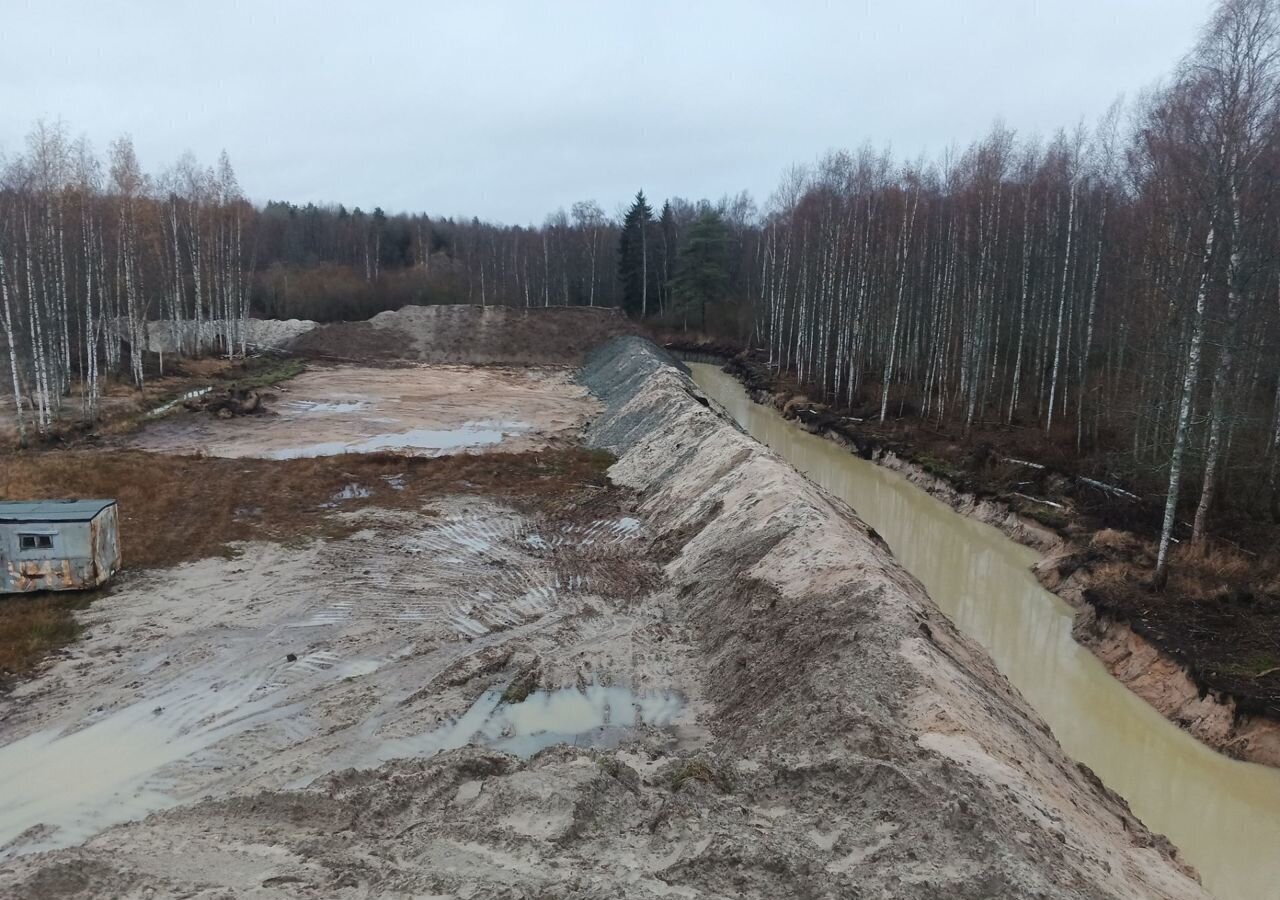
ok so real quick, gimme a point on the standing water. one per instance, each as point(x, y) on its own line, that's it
point(1223, 815)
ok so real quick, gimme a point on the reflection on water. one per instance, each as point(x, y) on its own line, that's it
point(593, 716)
point(469, 434)
point(77, 782)
point(1223, 815)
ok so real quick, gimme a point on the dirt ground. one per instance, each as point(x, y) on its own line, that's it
point(703, 678)
point(167, 336)
point(176, 509)
point(470, 335)
point(419, 410)
point(184, 686)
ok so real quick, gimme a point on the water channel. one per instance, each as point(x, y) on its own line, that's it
point(1222, 814)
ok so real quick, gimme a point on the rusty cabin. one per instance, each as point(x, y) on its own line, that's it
point(57, 545)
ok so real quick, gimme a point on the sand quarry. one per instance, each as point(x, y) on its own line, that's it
point(697, 677)
point(416, 409)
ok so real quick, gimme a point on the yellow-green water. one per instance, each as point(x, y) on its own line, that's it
point(1223, 815)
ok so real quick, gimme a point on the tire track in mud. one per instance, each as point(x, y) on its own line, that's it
point(478, 569)
point(473, 572)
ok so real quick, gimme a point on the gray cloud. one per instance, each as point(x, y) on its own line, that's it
point(509, 110)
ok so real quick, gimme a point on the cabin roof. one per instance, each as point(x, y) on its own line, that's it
point(18, 511)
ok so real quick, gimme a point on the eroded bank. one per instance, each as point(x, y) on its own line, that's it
point(1224, 814)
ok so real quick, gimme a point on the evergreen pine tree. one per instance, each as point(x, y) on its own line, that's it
point(702, 271)
point(670, 242)
point(635, 269)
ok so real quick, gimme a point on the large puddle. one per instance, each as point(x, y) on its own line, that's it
point(77, 783)
point(1222, 814)
point(128, 762)
point(469, 434)
point(592, 716)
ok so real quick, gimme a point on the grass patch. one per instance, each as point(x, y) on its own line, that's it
point(601, 459)
point(698, 769)
point(938, 468)
point(1218, 612)
point(33, 625)
point(1044, 514)
point(521, 687)
point(1254, 666)
point(179, 508)
point(263, 372)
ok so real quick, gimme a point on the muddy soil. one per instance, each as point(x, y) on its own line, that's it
point(224, 678)
point(469, 335)
point(745, 696)
point(417, 410)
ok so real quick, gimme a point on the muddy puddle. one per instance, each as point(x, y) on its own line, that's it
point(591, 716)
point(432, 440)
point(74, 784)
point(62, 788)
point(1222, 814)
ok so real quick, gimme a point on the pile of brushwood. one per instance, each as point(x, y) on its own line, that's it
point(229, 403)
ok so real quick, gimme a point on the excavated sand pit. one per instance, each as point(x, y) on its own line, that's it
point(420, 410)
point(404, 637)
point(756, 700)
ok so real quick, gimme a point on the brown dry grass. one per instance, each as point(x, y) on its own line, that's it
point(1213, 566)
point(30, 625)
point(174, 509)
point(1196, 575)
point(1219, 612)
point(179, 508)
point(124, 408)
point(1113, 541)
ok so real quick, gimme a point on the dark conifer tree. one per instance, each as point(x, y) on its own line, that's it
point(670, 243)
point(702, 272)
point(635, 268)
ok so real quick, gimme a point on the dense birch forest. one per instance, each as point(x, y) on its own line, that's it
point(1115, 287)
point(92, 253)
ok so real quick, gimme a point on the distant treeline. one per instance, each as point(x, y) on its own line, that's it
point(329, 263)
point(1117, 286)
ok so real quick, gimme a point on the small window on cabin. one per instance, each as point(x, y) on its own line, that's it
point(35, 542)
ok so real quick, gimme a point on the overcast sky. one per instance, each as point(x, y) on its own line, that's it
point(509, 110)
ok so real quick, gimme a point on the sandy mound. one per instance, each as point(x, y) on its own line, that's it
point(264, 334)
point(471, 335)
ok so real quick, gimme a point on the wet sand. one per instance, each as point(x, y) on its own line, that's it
point(420, 410)
point(184, 688)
